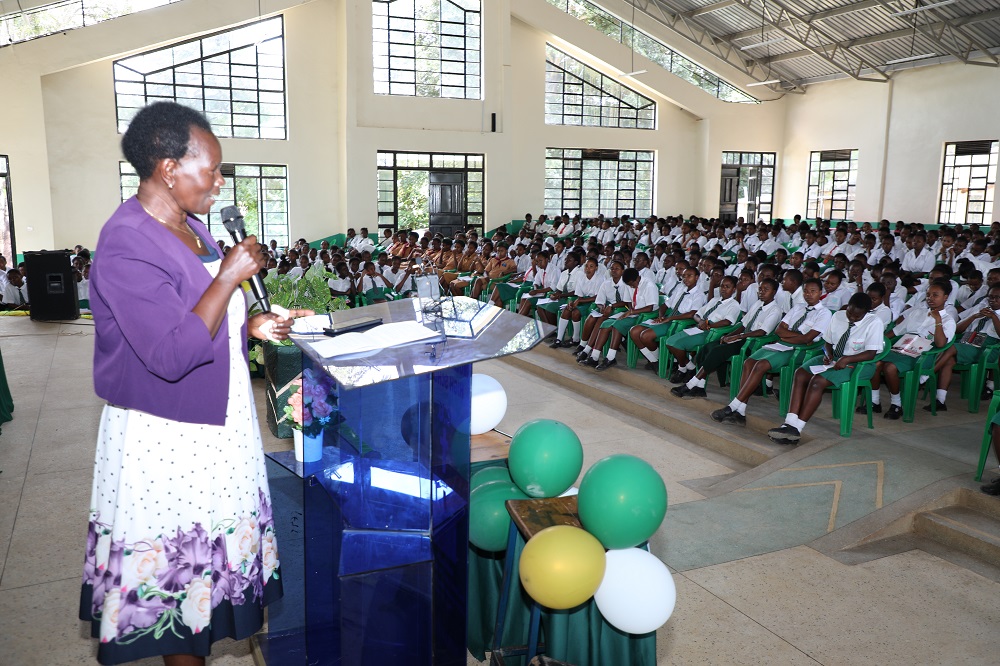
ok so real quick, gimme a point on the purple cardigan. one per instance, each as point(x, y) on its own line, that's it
point(151, 352)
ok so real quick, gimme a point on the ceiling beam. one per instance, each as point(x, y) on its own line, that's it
point(950, 37)
point(884, 36)
point(817, 16)
point(708, 9)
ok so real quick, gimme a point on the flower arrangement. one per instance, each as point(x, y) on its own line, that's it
point(311, 405)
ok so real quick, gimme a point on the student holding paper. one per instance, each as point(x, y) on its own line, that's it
point(801, 326)
point(930, 322)
point(854, 335)
point(721, 311)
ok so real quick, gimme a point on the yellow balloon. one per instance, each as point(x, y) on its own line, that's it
point(562, 566)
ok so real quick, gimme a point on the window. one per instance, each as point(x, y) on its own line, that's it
point(589, 182)
point(7, 247)
point(967, 181)
point(833, 175)
point(576, 94)
point(403, 187)
point(755, 183)
point(260, 191)
point(652, 48)
point(53, 17)
point(236, 78)
point(427, 48)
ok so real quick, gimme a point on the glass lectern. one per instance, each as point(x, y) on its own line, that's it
point(386, 508)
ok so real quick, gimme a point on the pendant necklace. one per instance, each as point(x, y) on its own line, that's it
point(196, 237)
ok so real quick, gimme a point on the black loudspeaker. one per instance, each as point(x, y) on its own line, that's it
point(51, 287)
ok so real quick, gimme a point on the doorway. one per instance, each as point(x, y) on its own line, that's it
point(747, 188)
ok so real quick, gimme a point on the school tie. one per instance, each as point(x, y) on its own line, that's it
point(796, 325)
point(981, 325)
point(749, 327)
point(618, 295)
point(20, 295)
point(712, 309)
point(838, 351)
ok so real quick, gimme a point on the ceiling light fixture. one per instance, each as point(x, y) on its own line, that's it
point(764, 43)
point(923, 8)
point(763, 83)
point(910, 58)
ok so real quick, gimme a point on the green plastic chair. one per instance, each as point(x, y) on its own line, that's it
point(984, 448)
point(631, 351)
point(514, 302)
point(909, 383)
point(974, 376)
point(845, 396)
point(666, 359)
point(736, 362)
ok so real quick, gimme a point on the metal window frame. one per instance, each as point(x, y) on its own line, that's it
point(815, 157)
point(946, 205)
point(403, 74)
point(572, 168)
point(9, 222)
point(556, 101)
point(225, 130)
point(394, 168)
point(741, 162)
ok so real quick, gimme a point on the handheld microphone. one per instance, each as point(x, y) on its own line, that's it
point(232, 219)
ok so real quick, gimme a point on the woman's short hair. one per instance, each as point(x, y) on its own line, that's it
point(160, 131)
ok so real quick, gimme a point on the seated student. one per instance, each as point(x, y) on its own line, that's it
point(836, 292)
point(801, 326)
point(721, 311)
point(375, 287)
point(585, 288)
point(547, 308)
point(397, 276)
point(496, 267)
point(762, 318)
point(15, 293)
point(790, 292)
point(853, 335)
point(876, 292)
point(980, 334)
point(342, 285)
point(682, 305)
point(611, 296)
point(931, 322)
point(545, 279)
point(644, 297)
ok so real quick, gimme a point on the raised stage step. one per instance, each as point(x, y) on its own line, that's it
point(971, 527)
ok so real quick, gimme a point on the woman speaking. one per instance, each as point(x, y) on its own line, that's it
point(181, 549)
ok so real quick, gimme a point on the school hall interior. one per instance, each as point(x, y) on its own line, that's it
point(872, 548)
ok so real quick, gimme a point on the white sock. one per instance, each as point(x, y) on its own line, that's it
point(989, 384)
point(596, 355)
point(923, 379)
point(652, 357)
point(694, 382)
point(689, 366)
point(738, 407)
point(942, 395)
point(612, 353)
point(563, 323)
point(894, 399)
point(587, 349)
point(794, 421)
point(876, 397)
point(769, 383)
point(576, 334)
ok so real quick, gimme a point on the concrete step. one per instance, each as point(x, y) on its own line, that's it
point(968, 530)
point(647, 397)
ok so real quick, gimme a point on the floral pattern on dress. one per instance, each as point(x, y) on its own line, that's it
point(157, 584)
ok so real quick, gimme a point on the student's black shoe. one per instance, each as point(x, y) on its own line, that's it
point(651, 366)
point(578, 350)
point(784, 434)
point(589, 362)
point(728, 416)
point(679, 391)
point(605, 364)
point(696, 392)
point(582, 357)
point(862, 409)
point(992, 488)
point(556, 344)
point(941, 407)
point(680, 376)
point(894, 414)
point(987, 394)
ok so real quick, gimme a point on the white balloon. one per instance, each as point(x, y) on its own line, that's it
point(573, 490)
point(637, 594)
point(489, 404)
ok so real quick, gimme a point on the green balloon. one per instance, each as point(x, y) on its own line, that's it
point(622, 501)
point(487, 474)
point(489, 521)
point(545, 458)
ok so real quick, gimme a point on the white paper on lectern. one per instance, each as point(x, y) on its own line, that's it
point(379, 337)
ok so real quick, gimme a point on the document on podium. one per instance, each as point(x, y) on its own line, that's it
point(380, 337)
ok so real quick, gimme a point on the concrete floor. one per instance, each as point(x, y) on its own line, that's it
point(751, 588)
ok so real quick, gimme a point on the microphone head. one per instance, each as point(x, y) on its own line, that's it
point(232, 219)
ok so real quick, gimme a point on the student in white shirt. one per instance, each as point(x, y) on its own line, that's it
point(837, 293)
point(853, 335)
point(586, 285)
point(682, 304)
point(979, 334)
point(931, 322)
point(919, 260)
point(761, 320)
point(876, 292)
point(790, 292)
point(721, 311)
point(643, 299)
point(545, 279)
point(613, 295)
point(15, 294)
point(547, 308)
point(801, 326)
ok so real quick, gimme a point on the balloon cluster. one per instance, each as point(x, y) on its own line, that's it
point(622, 502)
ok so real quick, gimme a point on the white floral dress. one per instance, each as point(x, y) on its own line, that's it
point(181, 550)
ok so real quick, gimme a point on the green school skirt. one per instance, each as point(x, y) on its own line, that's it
point(659, 329)
point(553, 306)
point(507, 290)
point(622, 324)
point(682, 340)
point(967, 354)
point(838, 377)
point(777, 359)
